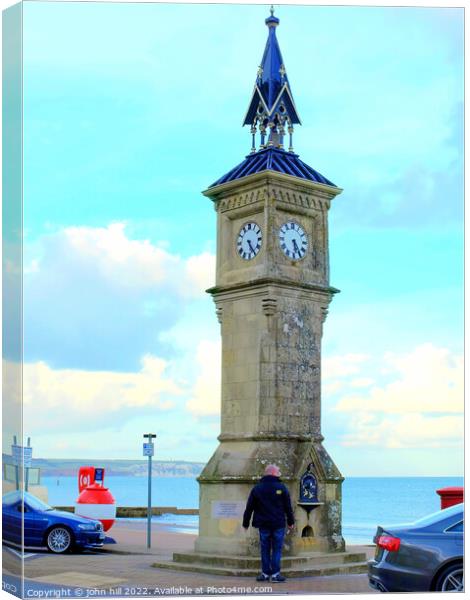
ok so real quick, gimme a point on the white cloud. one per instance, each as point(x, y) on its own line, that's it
point(97, 299)
point(68, 399)
point(131, 262)
point(342, 366)
point(205, 400)
point(405, 431)
point(421, 407)
point(332, 388)
point(11, 403)
point(362, 382)
point(200, 271)
point(137, 263)
point(428, 380)
point(96, 302)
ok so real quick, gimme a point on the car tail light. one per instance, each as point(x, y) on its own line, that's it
point(388, 542)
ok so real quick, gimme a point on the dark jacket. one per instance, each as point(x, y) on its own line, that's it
point(270, 502)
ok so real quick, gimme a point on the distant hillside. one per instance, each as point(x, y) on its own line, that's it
point(133, 468)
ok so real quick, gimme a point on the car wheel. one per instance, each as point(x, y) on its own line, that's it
point(59, 539)
point(451, 579)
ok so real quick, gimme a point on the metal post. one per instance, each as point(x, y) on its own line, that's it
point(17, 468)
point(26, 475)
point(149, 436)
point(149, 505)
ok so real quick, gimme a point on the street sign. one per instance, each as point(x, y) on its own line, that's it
point(27, 456)
point(149, 449)
point(16, 454)
point(20, 453)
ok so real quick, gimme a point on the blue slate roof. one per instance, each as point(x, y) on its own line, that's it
point(273, 159)
point(272, 113)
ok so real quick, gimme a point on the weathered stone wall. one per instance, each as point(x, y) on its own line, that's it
point(271, 360)
point(290, 370)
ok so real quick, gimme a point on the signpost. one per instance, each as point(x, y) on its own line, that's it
point(149, 450)
point(16, 452)
point(22, 458)
point(27, 462)
point(16, 455)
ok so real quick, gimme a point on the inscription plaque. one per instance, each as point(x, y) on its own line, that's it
point(227, 510)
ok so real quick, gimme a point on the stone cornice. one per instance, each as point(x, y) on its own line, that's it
point(251, 480)
point(267, 437)
point(218, 192)
point(271, 281)
point(241, 199)
point(283, 195)
point(237, 479)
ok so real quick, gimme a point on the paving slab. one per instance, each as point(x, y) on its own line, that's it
point(78, 578)
point(125, 568)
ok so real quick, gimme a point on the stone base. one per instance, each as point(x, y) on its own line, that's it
point(304, 565)
point(229, 477)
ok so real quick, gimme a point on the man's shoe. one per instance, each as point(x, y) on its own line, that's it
point(262, 577)
point(278, 578)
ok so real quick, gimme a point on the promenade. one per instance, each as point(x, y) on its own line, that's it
point(125, 569)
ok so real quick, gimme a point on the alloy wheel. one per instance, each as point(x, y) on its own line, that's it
point(453, 582)
point(59, 540)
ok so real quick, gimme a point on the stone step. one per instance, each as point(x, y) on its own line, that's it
point(327, 569)
point(303, 570)
point(251, 562)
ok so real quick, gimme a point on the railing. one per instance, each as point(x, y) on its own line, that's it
point(141, 511)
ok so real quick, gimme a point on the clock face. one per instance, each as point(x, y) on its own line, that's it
point(249, 241)
point(293, 240)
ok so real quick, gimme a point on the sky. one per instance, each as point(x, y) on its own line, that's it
point(130, 111)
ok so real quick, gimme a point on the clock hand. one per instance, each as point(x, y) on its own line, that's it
point(296, 248)
point(250, 246)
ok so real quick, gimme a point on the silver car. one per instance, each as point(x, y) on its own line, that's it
point(423, 556)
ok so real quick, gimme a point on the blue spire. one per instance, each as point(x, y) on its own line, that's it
point(271, 112)
point(272, 107)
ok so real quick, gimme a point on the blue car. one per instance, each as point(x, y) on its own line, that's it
point(423, 556)
point(44, 526)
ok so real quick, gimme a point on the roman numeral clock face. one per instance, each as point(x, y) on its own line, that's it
point(249, 241)
point(293, 240)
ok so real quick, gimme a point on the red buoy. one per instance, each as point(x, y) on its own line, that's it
point(97, 502)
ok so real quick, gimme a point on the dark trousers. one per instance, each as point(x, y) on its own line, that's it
point(271, 541)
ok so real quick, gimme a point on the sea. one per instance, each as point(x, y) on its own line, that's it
point(367, 501)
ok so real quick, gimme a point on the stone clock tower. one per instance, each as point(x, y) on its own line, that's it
point(271, 293)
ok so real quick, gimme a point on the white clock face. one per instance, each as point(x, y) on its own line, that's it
point(293, 240)
point(249, 241)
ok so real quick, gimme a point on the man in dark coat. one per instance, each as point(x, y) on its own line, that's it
point(270, 503)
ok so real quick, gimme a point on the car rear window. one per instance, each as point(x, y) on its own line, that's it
point(457, 528)
point(440, 515)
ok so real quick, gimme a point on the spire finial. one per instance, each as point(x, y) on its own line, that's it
point(272, 110)
point(272, 21)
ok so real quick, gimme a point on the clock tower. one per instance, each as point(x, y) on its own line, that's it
point(271, 293)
